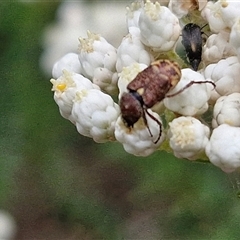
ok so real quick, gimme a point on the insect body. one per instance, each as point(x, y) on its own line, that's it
point(192, 42)
point(149, 87)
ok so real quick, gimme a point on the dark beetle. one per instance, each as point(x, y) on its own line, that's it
point(192, 42)
point(147, 88)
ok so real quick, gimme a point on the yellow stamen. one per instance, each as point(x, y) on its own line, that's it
point(61, 87)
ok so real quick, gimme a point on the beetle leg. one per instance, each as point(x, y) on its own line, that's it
point(188, 85)
point(157, 121)
point(145, 121)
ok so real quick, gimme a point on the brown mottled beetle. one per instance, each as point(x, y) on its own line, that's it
point(148, 88)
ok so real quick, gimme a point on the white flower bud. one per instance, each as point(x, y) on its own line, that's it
point(225, 75)
point(137, 140)
point(217, 47)
point(179, 8)
point(214, 97)
point(221, 14)
point(132, 50)
point(127, 75)
point(188, 137)
point(194, 99)
point(159, 27)
point(230, 11)
point(227, 110)
point(212, 13)
point(106, 80)
point(92, 53)
point(95, 114)
point(235, 36)
point(95, 52)
point(65, 88)
point(182, 7)
point(69, 62)
point(133, 13)
point(223, 149)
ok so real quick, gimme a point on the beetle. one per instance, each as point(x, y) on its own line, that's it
point(192, 42)
point(149, 87)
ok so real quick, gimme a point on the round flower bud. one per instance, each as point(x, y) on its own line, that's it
point(194, 99)
point(181, 8)
point(221, 14)
point(213, 15)
point(217, 47)
point(96, 53)
point(95, 114)
point(230, 11)
point(106, 80)
point(227, 110)
point(225, 75)
point(178, 8)
point(188, 137)
point(137, 139)
point(132, 50)
point(65, 88)
point(235, 36)
point(92, 53)
point(153, 19)
point(223, 149)
point(69, 62)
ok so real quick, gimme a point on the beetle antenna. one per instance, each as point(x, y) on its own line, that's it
point(157, 121)
point(188, 85)
point(202, 29)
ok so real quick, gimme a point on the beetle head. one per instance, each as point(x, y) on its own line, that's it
point(131, 108)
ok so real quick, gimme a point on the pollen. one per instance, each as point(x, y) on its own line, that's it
point(86, 44)
point(61, 87)
point(152, 10)
point(132, 8)
point(182, 133)
point(80, 95)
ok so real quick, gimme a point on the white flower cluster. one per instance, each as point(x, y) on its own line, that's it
point(185, 99)
point(83, 103)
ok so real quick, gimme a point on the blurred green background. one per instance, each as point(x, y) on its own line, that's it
point(60, 185)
